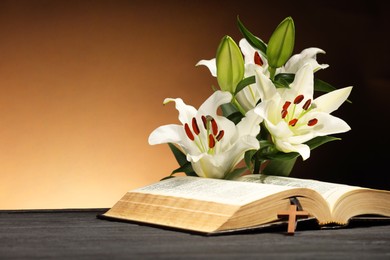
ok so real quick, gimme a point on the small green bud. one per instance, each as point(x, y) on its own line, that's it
point(230, 65)
point(281, 43)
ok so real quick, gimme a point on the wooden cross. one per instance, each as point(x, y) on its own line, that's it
point(292, 215)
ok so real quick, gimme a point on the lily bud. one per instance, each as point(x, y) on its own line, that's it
point(281, 43)
point(230, 65)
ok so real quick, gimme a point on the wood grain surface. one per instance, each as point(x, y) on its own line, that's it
point(79, 234)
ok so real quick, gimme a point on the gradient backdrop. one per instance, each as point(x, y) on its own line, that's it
point(82, 85)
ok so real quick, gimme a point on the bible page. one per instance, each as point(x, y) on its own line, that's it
point(330, 191)
point(214, 190)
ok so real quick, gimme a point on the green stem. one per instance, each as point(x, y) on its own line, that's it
point(257, 164)
point(239, 107)
point(272, 72)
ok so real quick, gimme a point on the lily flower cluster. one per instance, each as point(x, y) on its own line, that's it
point(271, 113)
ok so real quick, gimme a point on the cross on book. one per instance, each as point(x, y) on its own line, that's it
point(292, 215)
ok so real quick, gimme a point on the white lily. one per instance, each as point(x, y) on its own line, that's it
point(213, 144)
point(254, 60)
point(292, 116)
point(254, 57)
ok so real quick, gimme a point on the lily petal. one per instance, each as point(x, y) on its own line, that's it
point(292, 121)
point(248, 97)
point(308, 55)
point(266, 88)
point(216, 166)
point(250, 124)
point(328, 124)
point(210, 64)
point(287, 147)
point(247, 50)
point(331, 101)
point(186, 112)
point(303, 83)
point(212, 143)
point(210, 106)
point(166, 134)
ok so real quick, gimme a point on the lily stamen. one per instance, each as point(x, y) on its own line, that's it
point(284, 113)
point(188, 132)
point(220, 135)
point(211, 141)
point(286, 105)
point(257, 59)
point(312, 122)
point(214, 126)
point(213, 135)
point(293, 122)
point(307, 104)
point(291, 118)
point(195, 126)
point(298, 99)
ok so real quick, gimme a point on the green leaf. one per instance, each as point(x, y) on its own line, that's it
point(264, 135)
point(181, 158)
point(167, 177)
point(271, 153)
point(279, 167)
point(283, 80)
point(281, 43)
point(248, 157)
point(256, 42)
point(319, 85)
point(230, 65)
point(320, 140)
point(235, 173)
point(231, 112)
point(236, 117)
point(228, 109)
point(172, 175)
point(186, 168)
point(281, 156)
point(322, 86)
point(288, 77)
point(192, 174)
point(268, 150)
point(245, 82)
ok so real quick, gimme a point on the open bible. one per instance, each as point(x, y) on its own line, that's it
point(212, 206)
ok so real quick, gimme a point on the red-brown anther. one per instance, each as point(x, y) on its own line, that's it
point(211, 141)
point(293, 122)
point(220, 135)
point(214, 126)
point(195, 126)
point(257, 59)
point(312, 122)
point(204, 120)
point(286, 105)
point(284, 113)
point(307, 104)
point(188, 132)
point(298, 99)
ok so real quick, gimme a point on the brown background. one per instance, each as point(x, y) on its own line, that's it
point(82, 85)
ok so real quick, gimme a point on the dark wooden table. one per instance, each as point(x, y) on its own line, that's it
point(79, 234)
